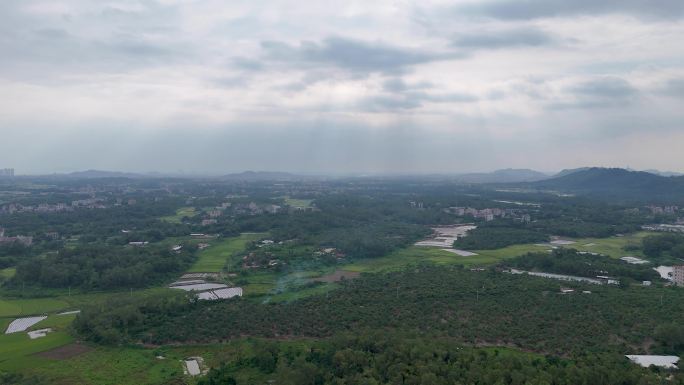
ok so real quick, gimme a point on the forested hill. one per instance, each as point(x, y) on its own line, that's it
point(617, 183)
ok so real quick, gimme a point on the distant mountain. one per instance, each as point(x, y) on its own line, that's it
point(253, 176)
point(664, 173)
point(91, 174)
point(569, 171)
point(617, 183)
point(508, 175)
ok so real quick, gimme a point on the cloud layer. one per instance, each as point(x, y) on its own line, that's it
point(429, 86)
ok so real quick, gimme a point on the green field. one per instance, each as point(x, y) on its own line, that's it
point(298, 203)
point(497, 255)
point(411, 255)
point(138, 366)
point(7, 273)
point(17, 349)
point(23, 307)
point(214, 258)
point(613, 246)
point(180, 214)
point(112, 366)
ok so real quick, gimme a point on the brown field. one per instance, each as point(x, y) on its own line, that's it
point(337, 276)
point(65, 352)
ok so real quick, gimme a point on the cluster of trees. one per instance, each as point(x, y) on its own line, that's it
point(379, 358)
point(358, 226)
point(470, 307)
point(486, 238)
point(101, 225)
point(103, 267)
point(11, 253)
point(569, 261)
point(664, 247)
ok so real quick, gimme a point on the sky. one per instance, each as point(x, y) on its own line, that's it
point(211, 87)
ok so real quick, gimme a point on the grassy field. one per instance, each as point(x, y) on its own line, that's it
point(7, 273)
point(113, 366)
point(298, 203)
point(613, 246)
point(23, 307)
point(180, 214)
point(214, 258)
point(17, 349)
point(497, 255)
point(139, 366)
point(412, 255)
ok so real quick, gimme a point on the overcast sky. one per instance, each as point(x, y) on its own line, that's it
point(350, 86)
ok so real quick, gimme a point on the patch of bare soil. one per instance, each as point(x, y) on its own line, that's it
point(337, 276)
point(65, 352)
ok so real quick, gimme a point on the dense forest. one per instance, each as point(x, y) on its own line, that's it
point(664, 247)
point(471, 307)
point(103, 267)
point(379, 358)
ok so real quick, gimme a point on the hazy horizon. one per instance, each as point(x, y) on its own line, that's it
point(206, 87)
point(324, 174)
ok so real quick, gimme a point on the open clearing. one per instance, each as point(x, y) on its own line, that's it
point(180, 214)
point(612, 246)
point(412, 255)
point(298, 203)
point(7, 273)
point(214, 258)
point(65, 352)
point(20, 307)
point(17, 349)
point(337, 276)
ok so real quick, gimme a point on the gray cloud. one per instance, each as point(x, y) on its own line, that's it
point(674, 88)
point(533, 9)
point(352, 55)
point(602, 92)
point(505, 38)
point(125, 83)
point(413, 99)
point(606, 87)
point(399, 85)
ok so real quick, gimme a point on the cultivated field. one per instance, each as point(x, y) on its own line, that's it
point(298, 203)
point(214, 258)
point(180, 214)
point(613, 246)
point(18, 351)
point(7, 273)
point(399, 259)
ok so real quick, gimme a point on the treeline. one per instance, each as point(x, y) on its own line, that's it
point(359, 226)
point(101, 225)
point(664, 247)
point(487, 238)
point(103, 267)
point(470, 307)
point(383, 358)
point(11, 253)
point(569, 261)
